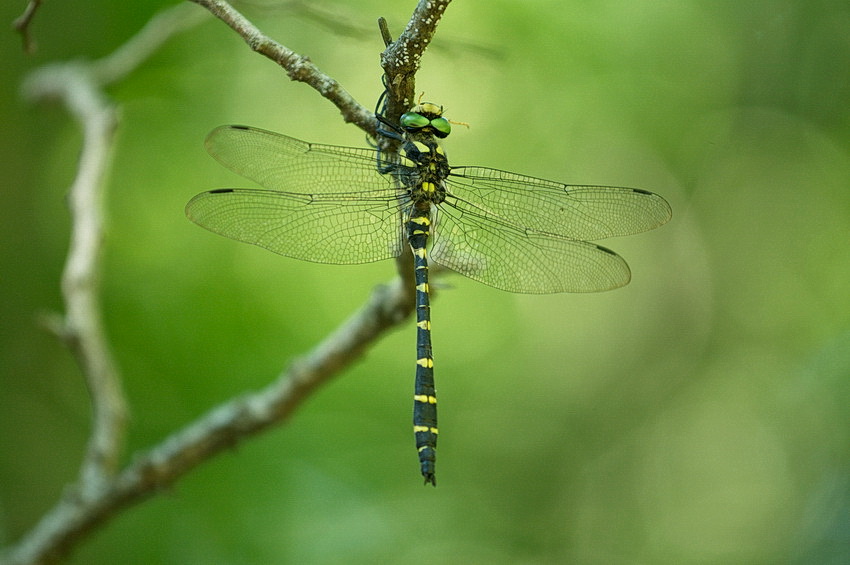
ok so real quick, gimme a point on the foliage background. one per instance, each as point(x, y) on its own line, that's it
point(698, 415)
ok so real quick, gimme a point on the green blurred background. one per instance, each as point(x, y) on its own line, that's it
point(699, 415)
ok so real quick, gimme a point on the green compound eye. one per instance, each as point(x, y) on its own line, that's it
point(412, 120)
point(442, 125)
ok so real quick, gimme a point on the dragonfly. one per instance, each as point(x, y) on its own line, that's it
point(342, 205)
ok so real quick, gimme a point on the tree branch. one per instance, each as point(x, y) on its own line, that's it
point(79, 86)
point(100, 491)
point(401, 58)
point(221, 428)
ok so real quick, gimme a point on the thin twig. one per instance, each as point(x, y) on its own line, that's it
point(298, 67)
point(139, 48)
point(82, 327)
point(79, 85)
point(23, 23)
point(331, 17)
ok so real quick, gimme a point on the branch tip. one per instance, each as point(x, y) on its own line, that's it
point(22, 25)
point(385, 31)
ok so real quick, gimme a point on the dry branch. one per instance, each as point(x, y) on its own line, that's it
point(101, 490)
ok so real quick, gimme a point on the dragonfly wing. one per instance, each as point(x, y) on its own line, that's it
point(572, 211)
point(521, 260)
point(284, 163)
point(324, 228)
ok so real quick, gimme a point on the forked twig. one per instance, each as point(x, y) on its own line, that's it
point(23, 23)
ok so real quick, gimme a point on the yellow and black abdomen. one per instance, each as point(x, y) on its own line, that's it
point(424, 397)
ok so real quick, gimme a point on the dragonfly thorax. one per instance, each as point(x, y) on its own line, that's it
point(426, 168)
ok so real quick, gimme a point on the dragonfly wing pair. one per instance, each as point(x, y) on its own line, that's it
point(329, 204)
point(324, 204)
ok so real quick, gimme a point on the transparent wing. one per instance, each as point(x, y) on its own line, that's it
point(329, 204)
point(577, 212)
point(280, 162)
point(341, 228)
point(515, 259)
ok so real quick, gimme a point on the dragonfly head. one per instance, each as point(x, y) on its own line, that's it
point(427, 118)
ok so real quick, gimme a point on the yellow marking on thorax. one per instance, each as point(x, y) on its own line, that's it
point(421, 220)
point(425, 398)
point(429, 187)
